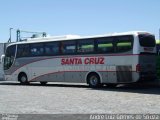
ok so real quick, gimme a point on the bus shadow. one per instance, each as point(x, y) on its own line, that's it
point(47, 85)
point(132, 88)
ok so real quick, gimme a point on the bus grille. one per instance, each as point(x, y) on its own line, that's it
point(124, 74)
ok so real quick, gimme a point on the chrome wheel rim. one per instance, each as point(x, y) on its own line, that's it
point(94, 80)
point(23, 79)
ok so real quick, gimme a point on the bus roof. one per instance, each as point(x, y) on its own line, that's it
point(77, 37)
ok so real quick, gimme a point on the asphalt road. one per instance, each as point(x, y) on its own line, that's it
point(76, 99)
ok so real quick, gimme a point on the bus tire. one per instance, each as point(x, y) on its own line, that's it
point(22, 78)
point(43, 83)
point(93, 80)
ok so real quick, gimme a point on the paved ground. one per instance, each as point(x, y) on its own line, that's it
point(62, 98)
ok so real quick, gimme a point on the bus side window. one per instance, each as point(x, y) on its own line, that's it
point(51, 48)
point(124, 44)
point(105, 45)
point(85, 46)
point(37, 49)
point(23, 50)
point(68, 47)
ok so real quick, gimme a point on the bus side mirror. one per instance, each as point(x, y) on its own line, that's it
point(2, 59)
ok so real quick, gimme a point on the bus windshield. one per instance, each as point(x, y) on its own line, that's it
point(147, 40)
point(9, 57)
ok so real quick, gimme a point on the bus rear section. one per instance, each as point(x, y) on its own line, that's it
point(147, 57)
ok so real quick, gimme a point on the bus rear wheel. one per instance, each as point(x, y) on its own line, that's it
point(43, 83)
point(93, 80)
point(22, 78)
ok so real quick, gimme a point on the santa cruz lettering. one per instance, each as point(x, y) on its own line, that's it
point(86, 61)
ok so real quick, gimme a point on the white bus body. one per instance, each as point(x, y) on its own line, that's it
point(106, 59)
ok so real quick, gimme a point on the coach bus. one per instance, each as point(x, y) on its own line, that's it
point(96, 60)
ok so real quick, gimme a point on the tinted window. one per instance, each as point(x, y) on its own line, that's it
point(68, 47)
point(124, 43)
point(147, 40)
point(51, 48)
point(23, 50)
point(11, 51)
point(85, 46)
point(9, 57)
point(105, 45)
point(37, 49)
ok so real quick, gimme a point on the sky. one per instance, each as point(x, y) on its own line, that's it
point(80, 17)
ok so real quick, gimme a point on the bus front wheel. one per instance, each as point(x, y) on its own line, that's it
point(93, 80)
point(22, 78)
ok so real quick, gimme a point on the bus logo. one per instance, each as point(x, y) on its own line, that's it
point(86, 61)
